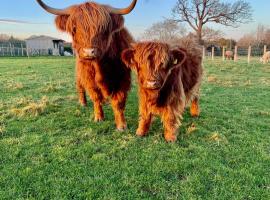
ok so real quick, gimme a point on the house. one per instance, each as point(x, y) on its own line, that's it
point(44, 45)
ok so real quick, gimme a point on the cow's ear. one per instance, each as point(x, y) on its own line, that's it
point(61, 22)
point(128, 58)
point(179, 56)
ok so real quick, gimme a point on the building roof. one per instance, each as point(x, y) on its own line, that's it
point(43, 37)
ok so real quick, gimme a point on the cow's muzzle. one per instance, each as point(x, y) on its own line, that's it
point(90, 53)
point(152, 84)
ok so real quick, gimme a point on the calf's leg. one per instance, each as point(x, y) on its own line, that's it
point(195, 108)
point(97, 99)
point(81, 93)
point(171, 122)
point(144, 121)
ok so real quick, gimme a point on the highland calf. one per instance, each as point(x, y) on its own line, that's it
point(266, 57)
point(99, 37)
point(168, 79)
point(229, 55)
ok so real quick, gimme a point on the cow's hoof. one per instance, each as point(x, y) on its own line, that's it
point(83, 104)
point(121, 129)
point(98, 119)
point(170, 138)
point(139, 133)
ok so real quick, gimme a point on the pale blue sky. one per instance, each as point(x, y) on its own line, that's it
point(145, 13)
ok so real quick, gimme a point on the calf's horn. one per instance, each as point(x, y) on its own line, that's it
point(124, 11)
point(53, 10)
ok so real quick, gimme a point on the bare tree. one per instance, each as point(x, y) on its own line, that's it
point(246, 40)
point(197, 13)
point(165, 31)
point(267, 37)
point(260, 33)
point(210, 35)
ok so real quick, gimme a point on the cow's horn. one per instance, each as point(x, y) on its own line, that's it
point(124, 11)
point(53, 10)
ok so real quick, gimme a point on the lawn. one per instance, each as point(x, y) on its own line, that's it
point(50, 147)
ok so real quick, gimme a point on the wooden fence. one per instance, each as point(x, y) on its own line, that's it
point(239, 53)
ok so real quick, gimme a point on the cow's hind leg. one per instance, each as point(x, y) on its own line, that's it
point(118, 102)
point(97, 98)
point(195, 108)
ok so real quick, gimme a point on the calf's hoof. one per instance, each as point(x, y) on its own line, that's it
point(99, 119)
point(121, 128)
point(140, 133)
point(83, 104)
point(170, 138)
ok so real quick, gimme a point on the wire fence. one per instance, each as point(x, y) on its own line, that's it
point(237, 53)
point(13, 49)
point(10, 49)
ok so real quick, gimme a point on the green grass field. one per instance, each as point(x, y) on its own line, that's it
point(50, 148)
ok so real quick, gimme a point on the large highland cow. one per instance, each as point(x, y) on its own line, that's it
point(168, 79)
point(99, 36)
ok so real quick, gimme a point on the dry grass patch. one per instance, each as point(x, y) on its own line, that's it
point(2, 129)
point(52, 87)
point(14, 86)
point(212, 79)
point(31, 108)
point(217, 137)
point(191, 129)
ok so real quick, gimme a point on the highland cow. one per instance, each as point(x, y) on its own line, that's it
point(266, 57)
point(99, 37)
point(168, 79)
point(229, 55)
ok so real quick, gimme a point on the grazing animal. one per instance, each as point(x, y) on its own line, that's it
point(229, 55)
point(168, 79)
point(99, 37)
point(266, 57)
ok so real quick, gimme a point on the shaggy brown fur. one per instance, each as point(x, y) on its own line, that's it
point(229, 55)
point(168, 78)
point(92, 26)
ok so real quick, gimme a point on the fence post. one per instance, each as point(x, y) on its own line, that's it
point(223, 53)
point(27, 52)
point(249, 53)
point(203, 52)
point(22, 49)
point(213, 53)
point(235, 54)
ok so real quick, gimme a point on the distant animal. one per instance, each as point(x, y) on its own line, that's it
point(168, 79)
point(266, 57)
point(229, 55)
point(99, 37)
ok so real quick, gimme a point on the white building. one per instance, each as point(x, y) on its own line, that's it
point(44, 45)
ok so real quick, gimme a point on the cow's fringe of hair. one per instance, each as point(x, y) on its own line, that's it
point(89, 12)
point(159, 52)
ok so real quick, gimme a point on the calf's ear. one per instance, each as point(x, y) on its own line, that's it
point(128, 58)
point(61, 22)
point(179, 57)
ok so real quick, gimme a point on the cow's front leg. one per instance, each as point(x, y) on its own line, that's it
point(118, 102)
point(144, 124)
point(144, 120)
point(97, 98)
point(81, 93)
point(171, 122)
